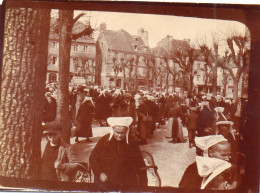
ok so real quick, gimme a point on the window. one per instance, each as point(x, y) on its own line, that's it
point(52, 77)
point(54, 60)
point(198, 77)
point(135, 47)
point(75, 48)
point(85, 48)
point(54, 45)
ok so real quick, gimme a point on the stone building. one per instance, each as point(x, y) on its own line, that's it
point(82, 59)
point(122, 59)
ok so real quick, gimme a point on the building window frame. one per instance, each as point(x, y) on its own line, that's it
point(54, 60)
point(85, 48)
point(54, 45)
point(75, 48)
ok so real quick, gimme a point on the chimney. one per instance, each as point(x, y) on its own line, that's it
point(144, 35)
point(102, 27)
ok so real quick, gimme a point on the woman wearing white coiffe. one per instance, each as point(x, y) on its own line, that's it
point(214, 146)
point(209, 168)
point(116, 159)
point(119, 121)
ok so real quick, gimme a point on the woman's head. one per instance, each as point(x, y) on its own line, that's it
point(226, 180)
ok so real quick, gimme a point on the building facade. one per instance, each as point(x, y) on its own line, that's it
point(82, 57)
point(122, 59)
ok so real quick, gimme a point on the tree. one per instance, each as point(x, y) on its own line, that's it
point(86, 66)
point(225, 81)
point(116, 67)
point(157, 70)
point(185, 58)
point(235, 56)
point(148, 60)
point(210, 57)
point(24, 69)
point(130, 67)
point(66, 35)
point(136, 70)
point(124, 59)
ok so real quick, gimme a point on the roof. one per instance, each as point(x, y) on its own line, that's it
point(78, 27)
point(171, 45)
point(121, 40)
point(159, 52)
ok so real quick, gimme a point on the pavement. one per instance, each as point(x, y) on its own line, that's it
point(171, 159)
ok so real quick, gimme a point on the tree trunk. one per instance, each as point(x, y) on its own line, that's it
point(63, 114)
point(161, 82)
point(147, 79)
point(173, 82)
point(224, 89)
point(235, 90)
point(123, 81)
point(244, 92)
point(115, 79)
point(191, 84)
point(136, 70)
point(214, 81)
point(22, 91)
point(167, 79)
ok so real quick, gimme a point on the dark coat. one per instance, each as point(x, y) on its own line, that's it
point(120, 161)
point(85, 116)
point(192, 118)
point(50, 110)
point(206, 119)
point(191, 178)
point(103, 109)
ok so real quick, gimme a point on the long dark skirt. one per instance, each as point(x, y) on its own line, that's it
point(84, 131)
point(175, 128)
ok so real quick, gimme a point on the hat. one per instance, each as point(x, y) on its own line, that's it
point(219, 109)
point(119, 121)
point(204, 143)
point(224, 123)
point(52, 127)
point(209, 168)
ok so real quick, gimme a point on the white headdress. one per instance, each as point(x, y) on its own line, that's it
point(204, 143)
point(209, 168)
point(119, 121)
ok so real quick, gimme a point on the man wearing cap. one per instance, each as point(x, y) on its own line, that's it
point(214, 146)
point(115, 160)
point(58, 162)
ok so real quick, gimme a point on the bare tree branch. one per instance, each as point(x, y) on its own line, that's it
point(77, 18)
point(87, 31)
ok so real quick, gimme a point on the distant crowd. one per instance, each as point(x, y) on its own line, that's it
point(214, 124)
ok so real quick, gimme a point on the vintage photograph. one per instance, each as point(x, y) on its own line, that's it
point(121, 99)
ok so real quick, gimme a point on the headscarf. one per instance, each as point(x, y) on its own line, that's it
point(119, 121)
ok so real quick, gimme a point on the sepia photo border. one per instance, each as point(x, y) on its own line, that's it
point(246, 14)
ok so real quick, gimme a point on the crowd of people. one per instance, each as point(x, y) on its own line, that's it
point(213, 124)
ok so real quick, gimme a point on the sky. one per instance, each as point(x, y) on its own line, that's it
point(159, 26)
